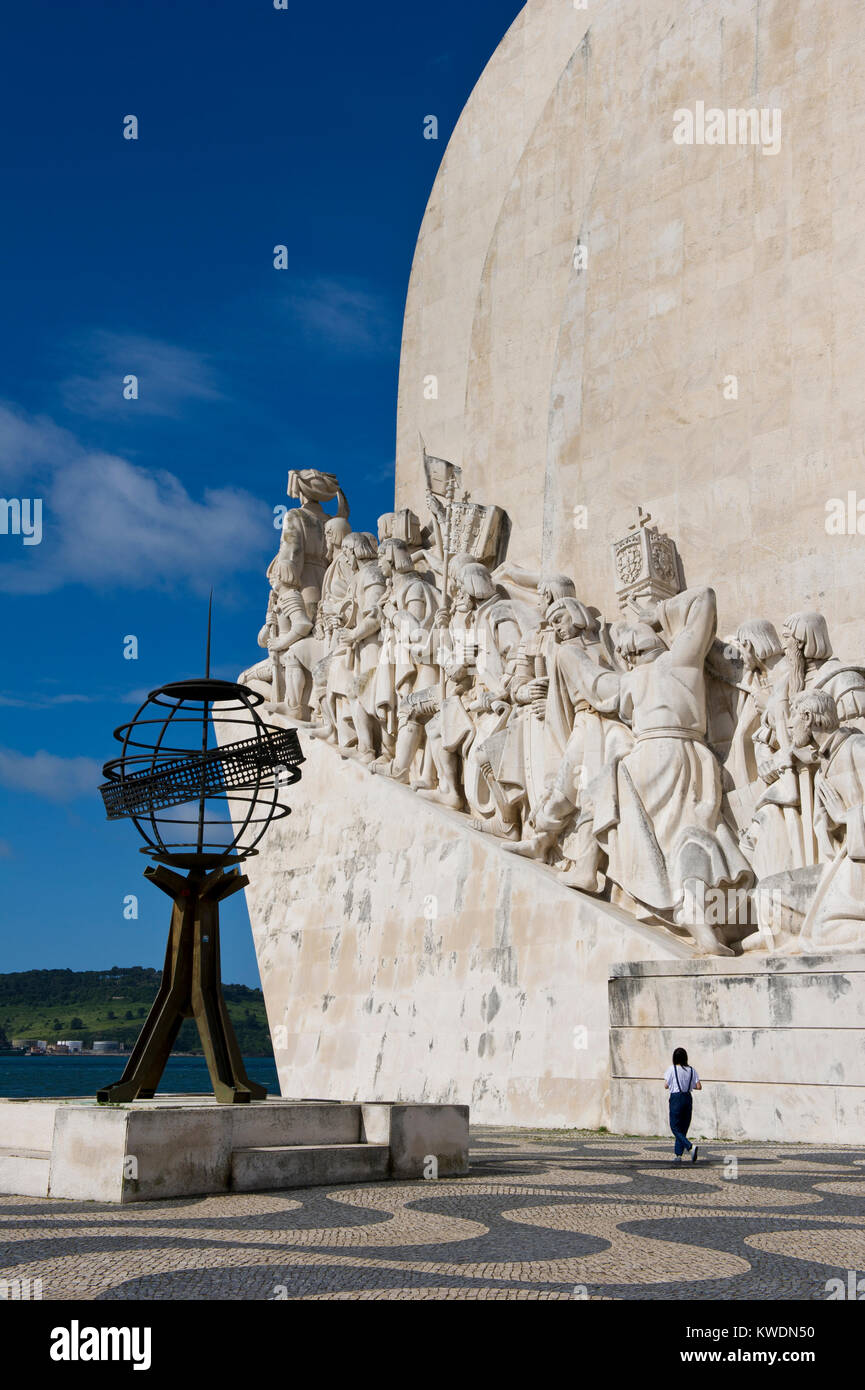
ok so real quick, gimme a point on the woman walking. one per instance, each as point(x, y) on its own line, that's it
point(680, 1080)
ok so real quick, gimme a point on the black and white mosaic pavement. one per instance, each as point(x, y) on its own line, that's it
point(541, 1216)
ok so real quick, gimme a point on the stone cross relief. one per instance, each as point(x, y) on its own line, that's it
point(712, 788)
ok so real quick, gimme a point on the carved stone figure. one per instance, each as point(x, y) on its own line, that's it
point(296, 575)
point(595, 740)
point(303, 556)
point(304, 656)
point(261, 676)
point(515, 761)
point(479, 641)
point(358, 646)
point(834, 918)
point(740, 671)
point(784, 832)
point(337, 577)
point(812, 666)
point(708, 786)
point(659, 815)
point(407, 665)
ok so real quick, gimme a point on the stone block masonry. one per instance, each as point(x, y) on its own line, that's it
point(779, 1045)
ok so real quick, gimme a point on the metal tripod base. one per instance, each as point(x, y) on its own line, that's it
point(191, 988)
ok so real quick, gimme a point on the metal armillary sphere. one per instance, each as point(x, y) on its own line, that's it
point(169, 774)
point(171, 780)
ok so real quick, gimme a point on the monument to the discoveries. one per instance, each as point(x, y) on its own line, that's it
point(550, 743)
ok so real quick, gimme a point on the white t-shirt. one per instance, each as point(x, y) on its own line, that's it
point(681, 1079)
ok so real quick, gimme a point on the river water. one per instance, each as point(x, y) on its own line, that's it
point(83, 1076)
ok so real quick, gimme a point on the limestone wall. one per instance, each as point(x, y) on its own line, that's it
point(605, 386)
point(779, 1046)
point(404, 957)
point(407, 958)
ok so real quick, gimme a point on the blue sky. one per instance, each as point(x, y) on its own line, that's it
point(154, 257)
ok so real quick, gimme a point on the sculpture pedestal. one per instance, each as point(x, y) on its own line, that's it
point(778, 1043)
point(184, 1146)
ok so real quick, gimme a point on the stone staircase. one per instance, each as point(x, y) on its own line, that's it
point(321, 1143)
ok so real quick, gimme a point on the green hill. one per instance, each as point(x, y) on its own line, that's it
point(112, 1004)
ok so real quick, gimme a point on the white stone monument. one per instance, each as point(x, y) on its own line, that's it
point(579, 792)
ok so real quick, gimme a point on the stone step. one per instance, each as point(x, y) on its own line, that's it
point(307, 1165)
point(282, 1123)
point(25, 1171)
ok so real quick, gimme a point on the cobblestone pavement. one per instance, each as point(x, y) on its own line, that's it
point(541, 1216)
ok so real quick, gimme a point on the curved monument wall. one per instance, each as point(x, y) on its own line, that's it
point(607, 308)
point(406, 958)
point(403, 956)
point(703, 354)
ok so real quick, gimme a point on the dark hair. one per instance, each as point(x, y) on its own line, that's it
point(680, 1057)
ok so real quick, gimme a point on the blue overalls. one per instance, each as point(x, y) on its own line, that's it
point(681, 1108)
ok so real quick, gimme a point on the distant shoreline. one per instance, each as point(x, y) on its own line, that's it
point(100, 1056)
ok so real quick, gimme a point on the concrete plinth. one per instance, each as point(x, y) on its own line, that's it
point(779, 1044)
point(181, 1146)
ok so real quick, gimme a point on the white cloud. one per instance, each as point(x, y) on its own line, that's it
point(110, 522)
point(31, 448)
point(168, 376)
point(345, 315)
point(40, 701)
point(43, 774)
point(135, 697)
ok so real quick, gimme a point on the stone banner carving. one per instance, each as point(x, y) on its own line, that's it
point(712, 787)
